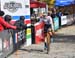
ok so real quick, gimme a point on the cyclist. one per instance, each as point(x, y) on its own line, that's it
point(46, 18)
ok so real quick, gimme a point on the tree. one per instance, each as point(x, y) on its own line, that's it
point(50, 3)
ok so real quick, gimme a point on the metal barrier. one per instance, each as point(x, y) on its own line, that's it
point(11, 41)
point(67, 20)
point(6, 43)
point(70, 19)
point(18, 38)
point(63, 20)
point(74, 16)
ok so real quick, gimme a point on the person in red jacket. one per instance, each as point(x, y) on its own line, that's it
point(4, 24)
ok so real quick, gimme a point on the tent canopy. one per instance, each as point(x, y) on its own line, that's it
point(63, 2)
point(36, 4)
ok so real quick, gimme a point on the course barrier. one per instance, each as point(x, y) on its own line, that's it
point(19, 38)
point(11, 40)
point(56, 23)
point(6, 43)
point(67, 19)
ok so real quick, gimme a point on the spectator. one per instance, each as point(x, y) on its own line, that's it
point(59, 14)
point(53, 15)
point(20, 23)
point(34, 15)
point(4, 24)
point(22, 18)
point(40, 17)
point(7, 18)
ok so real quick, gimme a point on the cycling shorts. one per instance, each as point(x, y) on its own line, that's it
point(46, 27)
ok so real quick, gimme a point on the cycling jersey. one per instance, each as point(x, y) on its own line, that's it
point(47, 20)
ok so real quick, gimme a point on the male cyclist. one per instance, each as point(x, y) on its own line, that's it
point(46, 18)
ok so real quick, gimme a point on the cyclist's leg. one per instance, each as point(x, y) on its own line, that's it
point(45, 35)
point(48, 40)
point(45, 41)
point(50, 36)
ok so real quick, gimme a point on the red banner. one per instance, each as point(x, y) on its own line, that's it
point(39, 32)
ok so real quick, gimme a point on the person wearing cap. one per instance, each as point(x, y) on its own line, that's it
point(4, 24)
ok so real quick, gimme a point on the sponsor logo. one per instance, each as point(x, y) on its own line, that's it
point(12, 6)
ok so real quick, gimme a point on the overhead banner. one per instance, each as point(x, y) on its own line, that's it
point(17, 8)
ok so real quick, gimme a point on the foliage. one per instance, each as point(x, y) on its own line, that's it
point(48, 2)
